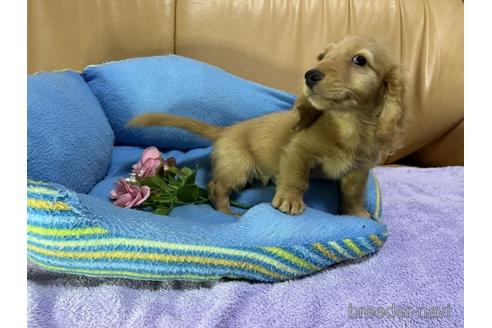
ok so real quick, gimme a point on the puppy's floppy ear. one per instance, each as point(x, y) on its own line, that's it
point(320, 56)
point(392, 114)
point(328, 48)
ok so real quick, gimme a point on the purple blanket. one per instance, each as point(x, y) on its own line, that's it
point(415, 280)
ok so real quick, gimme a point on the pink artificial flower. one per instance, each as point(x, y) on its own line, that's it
point(149, 163)
point(127, 195)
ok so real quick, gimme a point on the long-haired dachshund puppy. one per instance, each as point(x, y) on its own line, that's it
point(350, 112)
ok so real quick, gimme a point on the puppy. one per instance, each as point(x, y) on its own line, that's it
point(349, 114)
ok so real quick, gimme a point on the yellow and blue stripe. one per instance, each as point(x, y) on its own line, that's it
point(62, 239)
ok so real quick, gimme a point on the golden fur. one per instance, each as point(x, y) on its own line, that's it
point(342, 125)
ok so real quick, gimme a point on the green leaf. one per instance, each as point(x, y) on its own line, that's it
point(162, 210)
point(175, 183)
point(191, 178)
point(186, 171)
point(174, 170)
point(188, 193)
point(155, 183)
point(202, 192)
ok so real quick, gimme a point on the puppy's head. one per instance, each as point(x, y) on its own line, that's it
point(357, 74)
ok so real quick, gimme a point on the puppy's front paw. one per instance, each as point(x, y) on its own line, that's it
point(288, 203)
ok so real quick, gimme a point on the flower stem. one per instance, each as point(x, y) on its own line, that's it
point(240, 205)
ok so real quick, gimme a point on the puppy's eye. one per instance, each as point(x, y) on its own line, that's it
point(359, 60)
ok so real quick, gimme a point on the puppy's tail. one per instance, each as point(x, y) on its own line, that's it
point(205, 130)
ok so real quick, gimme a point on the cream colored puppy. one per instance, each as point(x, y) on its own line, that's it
point(349, 113)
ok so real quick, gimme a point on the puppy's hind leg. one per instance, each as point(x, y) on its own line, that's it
point(353, 192)
point(228, 175)
point(218, 194)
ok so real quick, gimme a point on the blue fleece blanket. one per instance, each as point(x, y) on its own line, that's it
point(69, 139)
point(80, 234)
point(85, 234)
point(177, 85)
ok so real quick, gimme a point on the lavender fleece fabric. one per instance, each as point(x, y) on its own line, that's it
point(417, 273)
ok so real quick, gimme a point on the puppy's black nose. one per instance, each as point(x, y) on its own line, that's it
point(312, 77)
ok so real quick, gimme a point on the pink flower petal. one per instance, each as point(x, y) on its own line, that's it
point(119, 188)
point(149, 167)
point(145, 192)
point(135, 199)
point(128, 195)
point(123, 201)
point(150, 152)
point(148, 164)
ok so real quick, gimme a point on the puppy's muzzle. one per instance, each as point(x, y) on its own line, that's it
point(312, 77)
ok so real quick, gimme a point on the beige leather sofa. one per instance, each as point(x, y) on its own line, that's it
point(273, 42)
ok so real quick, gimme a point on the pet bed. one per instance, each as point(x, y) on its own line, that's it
point(78, 146)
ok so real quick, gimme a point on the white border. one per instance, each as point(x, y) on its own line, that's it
point(478, 140)
point(13, 18)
